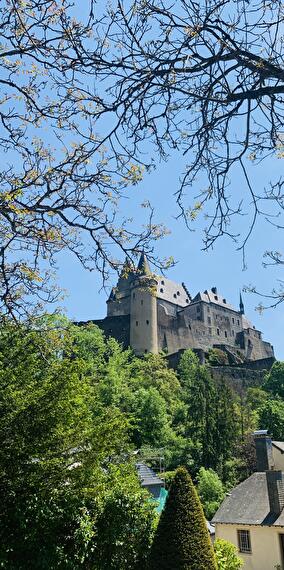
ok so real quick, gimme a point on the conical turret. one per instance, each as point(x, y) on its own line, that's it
point(242, 309)
point(143, 267)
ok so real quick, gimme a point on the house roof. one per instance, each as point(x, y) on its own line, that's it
point(279, 445)
point(248, 504)
point(147, 476)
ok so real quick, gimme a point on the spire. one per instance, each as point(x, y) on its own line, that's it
point(242, 309)
point(143, 266)
point(112, 295)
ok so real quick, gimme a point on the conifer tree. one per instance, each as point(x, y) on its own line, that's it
point(182, 540)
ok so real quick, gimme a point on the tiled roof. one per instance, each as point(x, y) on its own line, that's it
point(279, 445)
point(248, 504)
point(147, 476)
point(172, 292)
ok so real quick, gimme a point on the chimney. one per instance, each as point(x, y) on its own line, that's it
point(274, 479)
point(263, 447)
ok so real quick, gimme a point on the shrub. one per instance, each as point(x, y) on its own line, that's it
point(182, 540)
point(227, 555)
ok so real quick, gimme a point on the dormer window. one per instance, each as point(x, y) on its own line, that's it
point(215, 297)
point(175, 295)
point(178, 293)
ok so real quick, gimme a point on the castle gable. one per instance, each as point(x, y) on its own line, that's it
point(172, 292)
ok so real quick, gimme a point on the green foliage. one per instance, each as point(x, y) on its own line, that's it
point(271, 417)
point(212, 421)
point(182, 540)
point(227, 555)
point(60, 444)
point(274, 380)
point(217, 357)
point(210, 490)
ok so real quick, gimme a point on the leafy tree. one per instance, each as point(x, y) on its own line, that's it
point(212, 420)
point(182, 539)
point(271, 417)
point(60, 184)
point(274, 380)
point(227, 555)
point(210, 490)
point(59, 446)
point(204, 81)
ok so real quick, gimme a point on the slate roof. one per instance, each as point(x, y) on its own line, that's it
point(248, 504)
point(215, 298)
point(147, 476)
point(172, 292)
point(279, 445)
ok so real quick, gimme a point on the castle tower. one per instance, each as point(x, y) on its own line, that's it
point(143, 310)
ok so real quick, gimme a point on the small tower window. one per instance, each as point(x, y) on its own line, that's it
point(218, 332)
point(147, 322)
point(226, 334)
point(161, 290)
point(137, 323)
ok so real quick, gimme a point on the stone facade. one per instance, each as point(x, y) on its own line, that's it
point(151, 314)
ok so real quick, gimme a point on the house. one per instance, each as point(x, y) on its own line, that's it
point(252, 515)
point(154, 485)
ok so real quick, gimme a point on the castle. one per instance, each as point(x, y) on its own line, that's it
point(151, 314)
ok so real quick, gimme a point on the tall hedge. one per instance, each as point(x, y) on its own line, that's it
point(182, 540)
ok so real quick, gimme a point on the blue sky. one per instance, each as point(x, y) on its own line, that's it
point(220, 267)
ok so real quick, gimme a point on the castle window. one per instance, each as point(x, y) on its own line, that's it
point(142, 301)
point(162, 283)
point(178, 293)
point(233, 333)
point(226, 334)
point(147, 322)
point(210, 330)
point(175, 295)
point(198, 309)
point(218, 332)
point(145, 350)
point(189, 326)
point(224, 301)
point(215, 297)
point(238, 321)
point(233, 320)
point(186, 300)
point(137, 323)
point(133, 296)
point(161, 290)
